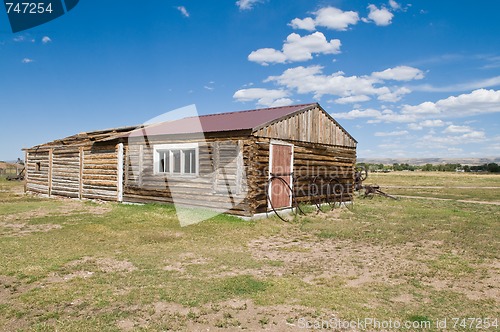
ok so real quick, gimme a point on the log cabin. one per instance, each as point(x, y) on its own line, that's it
point(243, 163)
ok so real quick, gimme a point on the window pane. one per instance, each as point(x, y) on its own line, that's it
point(176, 155)
point(193, 161)
point(164, 165)
point(189, 161)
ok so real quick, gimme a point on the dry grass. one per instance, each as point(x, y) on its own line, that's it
point(79, 266)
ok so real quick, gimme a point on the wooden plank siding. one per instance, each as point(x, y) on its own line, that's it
point(220, 183)
point(232, 172)
point(313, 126)
point(76, 172)
point(309, 160)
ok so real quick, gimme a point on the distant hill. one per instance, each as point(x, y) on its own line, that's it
point(433, 161)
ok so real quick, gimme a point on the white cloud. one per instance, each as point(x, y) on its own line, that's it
point(452, 129)
point(400, 73)
point(381, 17)
point(472, 137)
point(356, 114)
point(246, 4)
point(183, 11)
point(427, 124)
point(264, 56)
point(19, 39)
point(391, 133)
point(394, 5)
point(477, 102)
point(478, 84)
point(336, 19)
point(297, 48)
point(312, 80)
point(352, 99)
point(395, 95)
point(264, 97)
point(430, 113)
point(46, 39)
point(328, 17)
point(27, 60)
point(209, 88)
point(306, 24)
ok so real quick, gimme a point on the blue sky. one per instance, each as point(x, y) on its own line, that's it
point(406, 79)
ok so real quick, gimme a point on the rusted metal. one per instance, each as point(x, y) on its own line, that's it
point(368, 190)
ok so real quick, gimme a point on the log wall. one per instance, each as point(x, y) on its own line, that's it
point(77, 172)
point(220, 184)
point(310, 160)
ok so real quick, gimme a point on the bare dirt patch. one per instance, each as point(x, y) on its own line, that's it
point(235, 314)
point(68, 207)
point(361, 264)
point(23, 229)
point(107, 265)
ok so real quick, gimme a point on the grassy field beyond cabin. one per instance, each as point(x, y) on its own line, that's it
point(68, 265)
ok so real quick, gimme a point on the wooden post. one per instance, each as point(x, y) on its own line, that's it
point(26, 155)
point(51, 156)
point(80, 178)
point(119, 158)
point(127, 162)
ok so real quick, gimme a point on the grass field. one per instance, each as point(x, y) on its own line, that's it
point(68, 265)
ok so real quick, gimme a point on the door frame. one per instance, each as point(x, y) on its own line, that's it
point(278, 142)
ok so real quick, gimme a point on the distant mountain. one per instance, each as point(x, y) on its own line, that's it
point(434, 161)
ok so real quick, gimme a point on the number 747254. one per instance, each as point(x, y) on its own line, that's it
point(29, 7)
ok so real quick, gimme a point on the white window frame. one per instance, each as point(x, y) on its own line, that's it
point(170, 147)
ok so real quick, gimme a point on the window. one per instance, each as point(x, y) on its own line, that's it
point(38, 166)
point(176, 159)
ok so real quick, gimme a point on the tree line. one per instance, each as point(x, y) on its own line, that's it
point(491, 167)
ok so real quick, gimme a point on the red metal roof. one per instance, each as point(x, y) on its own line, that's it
point(242, 120)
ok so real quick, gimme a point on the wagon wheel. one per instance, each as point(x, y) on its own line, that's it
point(361, 173)
point(334, 192)
point(294, 200)
point(316, 192)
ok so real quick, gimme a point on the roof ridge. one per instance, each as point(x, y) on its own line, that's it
point(254, 110)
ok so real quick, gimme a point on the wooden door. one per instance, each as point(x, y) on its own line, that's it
point(281, 165)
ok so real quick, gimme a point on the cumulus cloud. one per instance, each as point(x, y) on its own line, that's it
point(307, 23)
point(296, 48)
point(380, 17)
point(457, 129)
point(400, 73)
point(264, 97)
point(476, 84)
point(312, 80)
point(183, 11)
point(391, 133)
point(356, 114)
point(430, 114)
point(395, 95)
point(394, 5)
point(46, 40)
point(352, 99)
point(426, 124)
point(479, 101)
point(246, 4)
point(328, 17)
point(27, 60)
point(470, 137)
